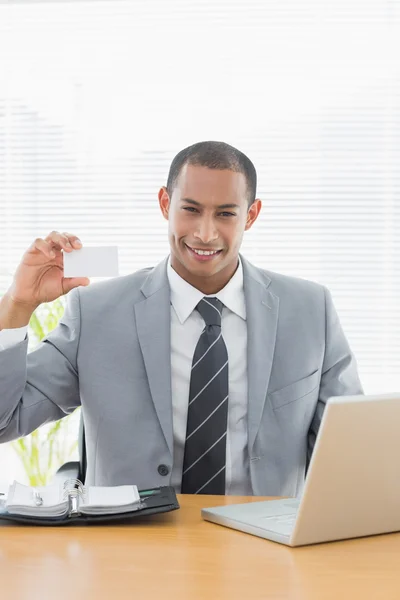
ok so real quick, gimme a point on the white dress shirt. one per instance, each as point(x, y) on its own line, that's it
point(186, 328)
point(10, 337)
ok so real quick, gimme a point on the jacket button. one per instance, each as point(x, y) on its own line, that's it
point(163, 470)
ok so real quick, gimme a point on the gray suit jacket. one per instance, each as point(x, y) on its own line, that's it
point(111, 354)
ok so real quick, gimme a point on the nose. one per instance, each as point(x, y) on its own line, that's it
point(206, 231)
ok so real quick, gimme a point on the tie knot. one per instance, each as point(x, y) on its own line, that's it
point(211, 310)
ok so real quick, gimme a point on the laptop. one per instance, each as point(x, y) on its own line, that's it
point(352, 487)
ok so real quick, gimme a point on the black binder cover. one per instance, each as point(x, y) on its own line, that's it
point(153, 501)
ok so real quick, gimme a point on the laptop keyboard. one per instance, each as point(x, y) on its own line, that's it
point(280, 523)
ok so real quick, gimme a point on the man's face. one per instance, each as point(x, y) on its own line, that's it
point(208, 212)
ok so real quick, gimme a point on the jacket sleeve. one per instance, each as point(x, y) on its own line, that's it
point(43, 385)
point(339, 371)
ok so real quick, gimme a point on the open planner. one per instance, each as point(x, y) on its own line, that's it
point(69, 501)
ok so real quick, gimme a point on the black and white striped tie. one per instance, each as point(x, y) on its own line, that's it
point(205, 448)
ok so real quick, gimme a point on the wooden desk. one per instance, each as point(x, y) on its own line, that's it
point(177, 555)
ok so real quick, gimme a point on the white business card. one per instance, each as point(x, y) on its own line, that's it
point(92, 261)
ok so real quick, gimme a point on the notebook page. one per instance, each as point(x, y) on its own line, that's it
point(105, 496)
point(110, 499)
point(21, 500)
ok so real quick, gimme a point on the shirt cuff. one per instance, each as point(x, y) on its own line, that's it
point(12, 337)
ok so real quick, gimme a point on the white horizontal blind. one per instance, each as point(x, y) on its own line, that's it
point(97, 97)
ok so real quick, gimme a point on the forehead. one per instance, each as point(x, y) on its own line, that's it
point(201, 184)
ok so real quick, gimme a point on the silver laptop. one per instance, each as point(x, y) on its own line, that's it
point(352, 488)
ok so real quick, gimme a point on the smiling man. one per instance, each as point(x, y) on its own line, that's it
point(209, 202)
point(204, 372)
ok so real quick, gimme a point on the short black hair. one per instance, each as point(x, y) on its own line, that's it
point(214, 155)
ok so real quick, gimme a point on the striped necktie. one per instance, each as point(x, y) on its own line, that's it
point(205, 447)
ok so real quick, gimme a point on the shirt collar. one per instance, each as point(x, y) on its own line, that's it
point(185, 297)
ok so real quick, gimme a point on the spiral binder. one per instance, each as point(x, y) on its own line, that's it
point(73, 490)
point(72, 501)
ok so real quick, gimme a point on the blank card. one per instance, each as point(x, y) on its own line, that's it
point(92, 261)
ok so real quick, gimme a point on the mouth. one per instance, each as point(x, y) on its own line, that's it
point(203, 255)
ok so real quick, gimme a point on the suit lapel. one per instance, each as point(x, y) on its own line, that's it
point(262, 308)
point(153, 322)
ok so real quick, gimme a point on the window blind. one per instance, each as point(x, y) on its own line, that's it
point(96, 98)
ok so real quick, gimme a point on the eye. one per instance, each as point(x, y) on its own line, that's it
point(228, 214)
point(190, 208)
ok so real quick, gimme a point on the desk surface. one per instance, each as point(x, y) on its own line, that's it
point(178, 555)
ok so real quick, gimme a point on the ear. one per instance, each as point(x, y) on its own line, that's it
point(253, 213)
point(164, 202)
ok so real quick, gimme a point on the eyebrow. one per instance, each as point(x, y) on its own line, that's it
point(190, 201)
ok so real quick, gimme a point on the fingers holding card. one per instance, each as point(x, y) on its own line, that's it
point(92, 261)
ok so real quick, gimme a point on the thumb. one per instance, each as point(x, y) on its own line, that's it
point(69, 283)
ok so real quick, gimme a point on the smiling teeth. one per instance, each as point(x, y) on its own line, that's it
point(205, 252)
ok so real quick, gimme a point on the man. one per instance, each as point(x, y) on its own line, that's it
point(204, 372)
